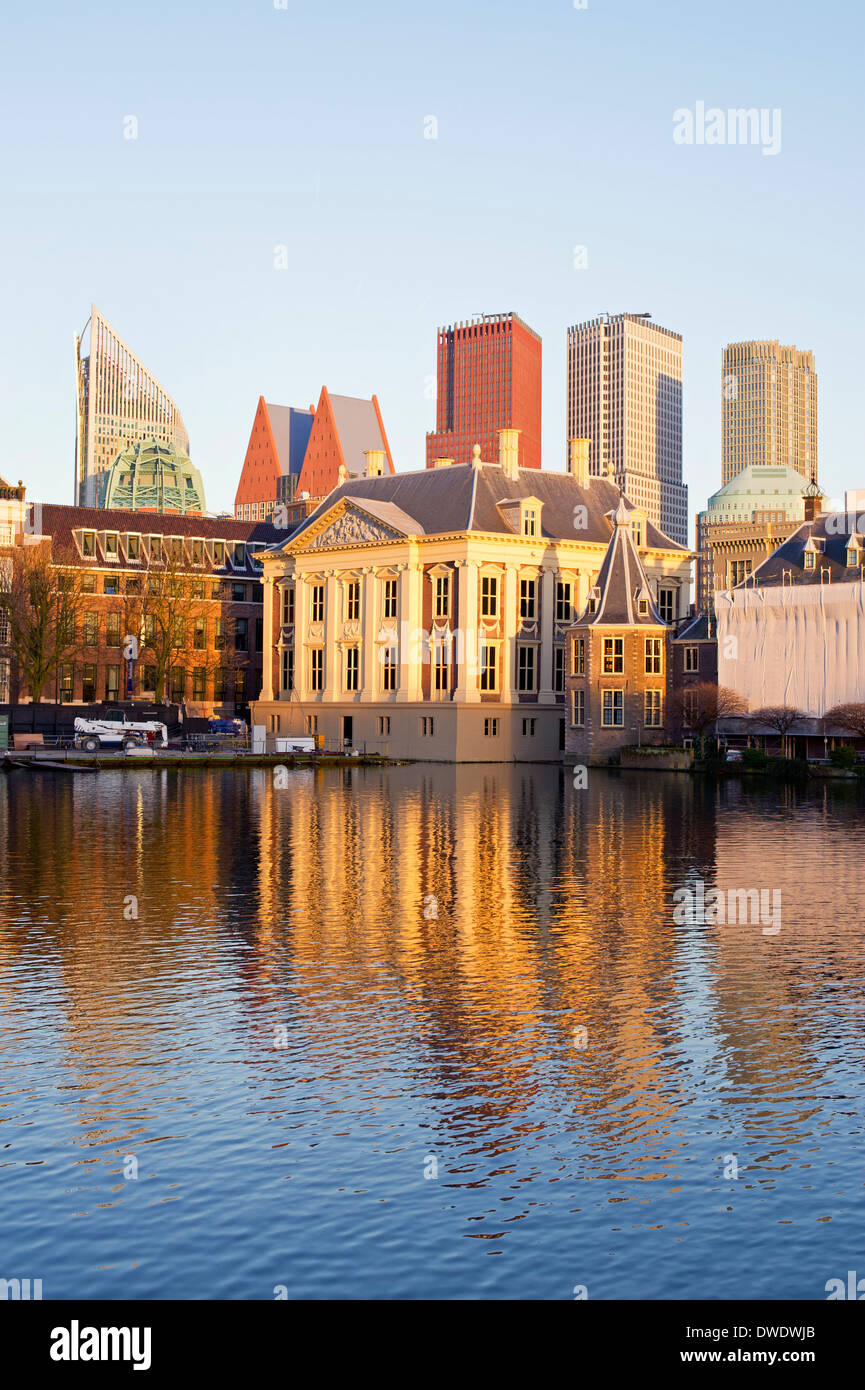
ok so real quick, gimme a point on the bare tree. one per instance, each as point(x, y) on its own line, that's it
point(40, 599)
point(850, 718)
point(699, 707)
point(781, 718)
point(169, 610)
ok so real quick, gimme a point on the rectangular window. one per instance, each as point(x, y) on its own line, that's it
point(288, 605)
point(198, 552)
point(316, 669)
point(525, 668)
point(652, 708)
point(5, 680)
point(259, 634)
point(199, 635)
point(654, 657)
point(149, 678)
point(112, 682)
point(238, 593)
point(239, 555)
point(112, 629)
point(178, 685)
point(88, 584)
point(491, 728)
point(558, 670)
point(240, 685)
point(578, 657)
point(667, 604)
point(527, 598)
point(613, 708)
point(441, 596)
point(440, 666)
point(312, 723)
point(427, 727)
point(614, 656)
point(111, 584)
point(563, 602)
point(241, 635)
point(133, 547)
point(219, 633)
point(489, 596)
point(91, 630)
point(316, 612)
point(88, 684)
point(219, 553)
point(390, 598)
point(220, 686)
point(88, 545)
point(383, 725)
point(133, 585)
point(287, 668)
point(578, 708)
point(388, 668)
point(352, 668)
point(530, 521)
point(692, 659)
point(199, 683)
point(67, 674)
point(352, 601)
point(488, 660)
point(528, 728)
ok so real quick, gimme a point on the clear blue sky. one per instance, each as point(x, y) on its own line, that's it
point(304, 127)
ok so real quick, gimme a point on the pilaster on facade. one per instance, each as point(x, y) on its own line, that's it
point(411, 621)
point(332, 673)
point(466, 690)
point(267, 636)
point(546, 694)
point(301, 651)
point(509, 671)
point(369, 647)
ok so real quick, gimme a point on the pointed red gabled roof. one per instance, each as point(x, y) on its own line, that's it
point(262, 466)
point(343, 428)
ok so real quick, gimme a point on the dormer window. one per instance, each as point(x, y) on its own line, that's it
point(88, 545)
point(637, 532)
point(133, 547)
point(808, 560)
point(594, 600)
point(111, 541)
point(530, 521)
point(852, 556)
point(219, 553)
point(176, 549)
point(239, 560)
point(156, 548)
point(643, 607)
point(198, 552)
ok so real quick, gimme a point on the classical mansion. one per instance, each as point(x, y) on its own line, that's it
point(425, 614)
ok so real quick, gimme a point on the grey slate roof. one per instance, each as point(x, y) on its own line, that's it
point(621, 581)
point(700, 628)
point(834, 529)
point(461, 498)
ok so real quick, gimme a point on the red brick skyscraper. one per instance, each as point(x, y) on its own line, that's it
point(488, 379)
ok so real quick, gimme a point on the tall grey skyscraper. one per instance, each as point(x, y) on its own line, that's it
point(625, 395)
point(119, 404)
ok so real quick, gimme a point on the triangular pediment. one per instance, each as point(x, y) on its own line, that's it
point(350, 523)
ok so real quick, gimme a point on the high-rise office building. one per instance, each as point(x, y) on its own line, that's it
point(768, 409)
point(119, 404)
point(488, 378)
point(625, 395)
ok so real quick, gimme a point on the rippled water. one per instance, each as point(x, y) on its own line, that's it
point(341, 1040)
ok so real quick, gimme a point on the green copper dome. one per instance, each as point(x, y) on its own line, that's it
point(153, 477)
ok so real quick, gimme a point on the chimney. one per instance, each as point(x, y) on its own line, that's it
point(509, 452)
point(476, 456)
point(374, 462)
point(578, 460)
point(442, 463)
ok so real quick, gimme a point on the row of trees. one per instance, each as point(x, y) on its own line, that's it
point(43, 599)
point(699, 707)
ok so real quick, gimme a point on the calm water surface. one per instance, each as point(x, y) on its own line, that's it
point(341, 1042)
